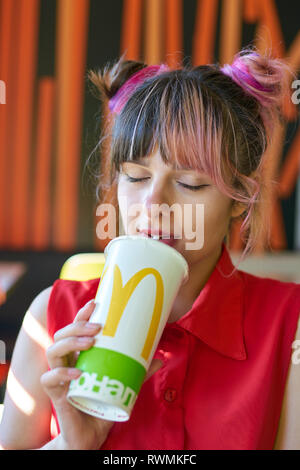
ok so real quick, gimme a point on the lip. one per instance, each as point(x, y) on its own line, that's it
point(160, 233)
point(169, 240)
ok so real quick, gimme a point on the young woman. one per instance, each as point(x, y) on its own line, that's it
point(222, 376)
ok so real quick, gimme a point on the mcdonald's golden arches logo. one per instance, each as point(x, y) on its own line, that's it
point(120, 298)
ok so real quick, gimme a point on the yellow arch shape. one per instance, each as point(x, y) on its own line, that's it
point(120, 297)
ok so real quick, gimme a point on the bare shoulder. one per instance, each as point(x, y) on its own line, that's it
point(288, 435)
point(39, 305)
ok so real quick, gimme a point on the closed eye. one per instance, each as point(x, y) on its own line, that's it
point(192, 188)
point(187, 186)
point(134, 180)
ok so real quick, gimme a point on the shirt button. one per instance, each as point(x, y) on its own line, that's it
point(170, 394)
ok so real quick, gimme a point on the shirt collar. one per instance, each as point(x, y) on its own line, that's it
point(216, 316)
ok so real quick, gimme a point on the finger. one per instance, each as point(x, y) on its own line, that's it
point(155, 365)
point(55, 377)
point(58, 352)
point(85, 312)
point(80, 328)
point(56, 381)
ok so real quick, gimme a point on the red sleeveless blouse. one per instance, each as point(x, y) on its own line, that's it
point(225, 364)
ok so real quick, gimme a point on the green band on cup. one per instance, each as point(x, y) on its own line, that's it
point(114, 365)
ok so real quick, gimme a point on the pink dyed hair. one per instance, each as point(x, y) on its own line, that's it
point(117, 102)
point(263, 77)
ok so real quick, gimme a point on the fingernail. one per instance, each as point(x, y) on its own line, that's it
point(85, 339)
point(74, 372)
point(93, 326)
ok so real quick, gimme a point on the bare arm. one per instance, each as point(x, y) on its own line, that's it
point(27, 411)
point(40, 370)
point(288, 435)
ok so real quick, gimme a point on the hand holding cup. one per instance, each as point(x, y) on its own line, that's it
point(78, 430)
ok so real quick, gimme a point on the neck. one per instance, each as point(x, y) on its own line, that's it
point(199, 274)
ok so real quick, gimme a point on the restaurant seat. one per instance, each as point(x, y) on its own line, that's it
point(83, 267)
point(3, 376)
point(3, 372)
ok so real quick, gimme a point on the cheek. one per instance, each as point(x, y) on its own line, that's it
point(129, 205)
point(216, 216)
point(125, 197)
point(129, 193)
point(121, 190)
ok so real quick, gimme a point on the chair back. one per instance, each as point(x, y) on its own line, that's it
point(83, 267)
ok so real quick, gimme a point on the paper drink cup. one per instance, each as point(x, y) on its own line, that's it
point(139, 283)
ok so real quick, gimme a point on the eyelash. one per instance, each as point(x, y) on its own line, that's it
point(191, 188)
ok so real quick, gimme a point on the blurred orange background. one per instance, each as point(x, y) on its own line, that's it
point(50, 121)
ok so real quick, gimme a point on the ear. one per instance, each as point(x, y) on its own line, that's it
point(237, 209)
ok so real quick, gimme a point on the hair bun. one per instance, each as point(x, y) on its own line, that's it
point(111, 78)
point(260, 75)
point(263, 77)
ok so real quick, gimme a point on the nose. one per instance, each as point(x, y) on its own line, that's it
point(157, 203)
point(156, 194)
